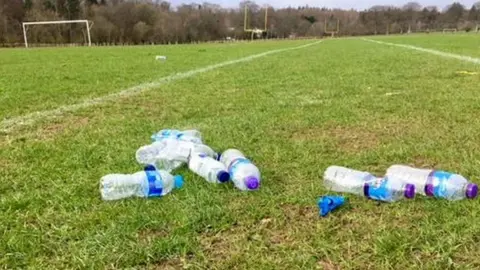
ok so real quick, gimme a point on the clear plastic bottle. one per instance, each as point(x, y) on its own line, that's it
point(341, 179)
point(243, 173)
point(203, 149)
point(210, 169)
point(147, 183)
point(167, 154)
point(190, 135)
point(435, 183)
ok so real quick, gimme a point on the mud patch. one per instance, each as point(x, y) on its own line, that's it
point(169, 264)
point(148, 236)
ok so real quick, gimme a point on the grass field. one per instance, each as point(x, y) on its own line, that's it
point(346, 102)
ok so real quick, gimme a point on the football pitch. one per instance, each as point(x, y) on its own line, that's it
point(68, 116)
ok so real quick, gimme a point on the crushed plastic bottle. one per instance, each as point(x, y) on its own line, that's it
point(190, 135)
point(169, 154)
point(341, 179)
point(243, 173)
point(205, 150)
point(147, 183)
point(210, 169)
point(435, 183)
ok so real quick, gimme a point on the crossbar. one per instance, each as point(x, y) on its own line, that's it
point(56, 22)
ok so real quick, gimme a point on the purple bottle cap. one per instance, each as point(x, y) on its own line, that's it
point(223, 176)
point(252, 182)
point(429, 190)
point(472, 191)
point(409, 191)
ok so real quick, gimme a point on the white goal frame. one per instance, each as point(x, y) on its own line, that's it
point(86, 22)
point(452, 30)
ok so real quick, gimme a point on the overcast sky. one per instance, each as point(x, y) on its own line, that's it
point(346, 4)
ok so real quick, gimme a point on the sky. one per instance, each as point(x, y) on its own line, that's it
point(344, 4)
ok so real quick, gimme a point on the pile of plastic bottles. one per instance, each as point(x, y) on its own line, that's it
point(400, 182)
point(171, 149)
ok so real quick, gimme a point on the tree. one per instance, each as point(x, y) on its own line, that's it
point(474, 14)
point(142, 21)
point(453, 14)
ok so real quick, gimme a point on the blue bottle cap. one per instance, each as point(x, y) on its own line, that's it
point(329, 203)
point(178, 181)
point(223, 176)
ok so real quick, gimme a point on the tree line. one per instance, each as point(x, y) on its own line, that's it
point(158, 22)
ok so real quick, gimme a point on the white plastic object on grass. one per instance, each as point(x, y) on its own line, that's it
point(435, 183)
point(243, 173)
point(190, 135)
point(341, 179)
point(161, 57)
point(210, 169)
point(147, 183)
point(169, 154)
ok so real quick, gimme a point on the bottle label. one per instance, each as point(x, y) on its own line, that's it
point(376, 188)
point(235, 163)
point(436, 184)
point(155, 186)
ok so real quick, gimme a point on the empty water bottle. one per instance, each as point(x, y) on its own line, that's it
point(167, 154)
point(203, 149)
point(243, 173)
point(147, 183)
point(190, 135)
point(435, 183)
point(210, 169)
point(341, 179)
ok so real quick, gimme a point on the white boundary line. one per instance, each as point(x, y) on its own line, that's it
point(430, 51)
point(28, 119)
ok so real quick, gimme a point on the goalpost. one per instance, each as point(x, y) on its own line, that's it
point(86, 22)
point(255, 30)
point(449, 30)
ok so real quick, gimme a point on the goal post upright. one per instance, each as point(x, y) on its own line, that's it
point(254, 30)
point(86, 22)
point(332, 32)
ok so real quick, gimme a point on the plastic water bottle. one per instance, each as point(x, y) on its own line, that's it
point(205, 150)
point(190, 135)
point(170, 154)
point(210, 169)
point(243, 173)
point(435, 183)
point(167, 154)
point(161, 57)
point(341, 179)
point(147, 183)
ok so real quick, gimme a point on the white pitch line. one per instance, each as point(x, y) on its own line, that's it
point(430, 51)
point(28, 119)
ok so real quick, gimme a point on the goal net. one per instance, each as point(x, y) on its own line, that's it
point(88, 27)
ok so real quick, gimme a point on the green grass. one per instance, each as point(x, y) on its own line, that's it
point(346, 102)
point(464, 44)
